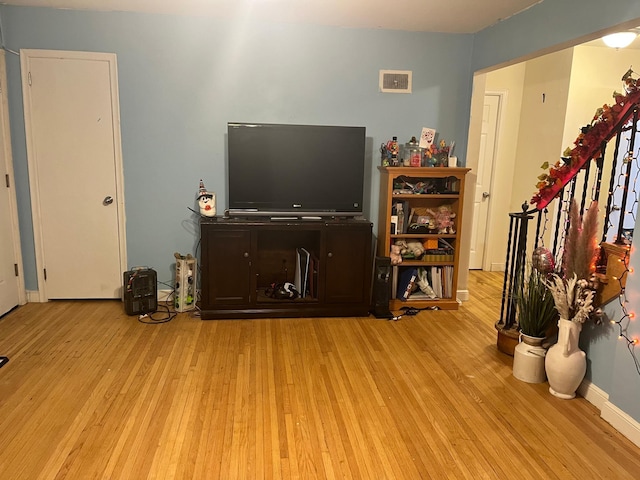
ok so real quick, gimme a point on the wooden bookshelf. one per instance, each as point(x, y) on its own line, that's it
point(420, 189)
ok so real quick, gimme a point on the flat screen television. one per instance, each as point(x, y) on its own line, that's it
point(295, 170)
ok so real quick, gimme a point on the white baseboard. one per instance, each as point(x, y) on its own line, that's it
point(497, 267)
point(622, 422)
point(462, 295)
point(618, 419)
point(33, 296)
point(594, 395)
point(163, 295)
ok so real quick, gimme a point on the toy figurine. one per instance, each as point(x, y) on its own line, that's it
point(444, 219)
point(393, 148)
point(206, 201)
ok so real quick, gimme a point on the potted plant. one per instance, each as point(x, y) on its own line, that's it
point(535, 305)
point(536, 313)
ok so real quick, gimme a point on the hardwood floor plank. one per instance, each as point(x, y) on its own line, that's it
point(90, 392)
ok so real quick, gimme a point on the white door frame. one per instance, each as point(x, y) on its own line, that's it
point(110, 58)
point(5, 131)
point(487, 263)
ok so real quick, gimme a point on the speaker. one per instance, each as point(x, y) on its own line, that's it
point(381, 293)
point(140, 291)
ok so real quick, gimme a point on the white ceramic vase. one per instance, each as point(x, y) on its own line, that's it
point(565, 363)
point(528, 360)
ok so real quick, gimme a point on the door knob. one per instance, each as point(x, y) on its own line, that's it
point(107, 200)
point(485, 194)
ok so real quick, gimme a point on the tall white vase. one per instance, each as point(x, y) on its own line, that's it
point(565, 363)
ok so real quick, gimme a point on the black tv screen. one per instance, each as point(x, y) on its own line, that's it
point(295, 170)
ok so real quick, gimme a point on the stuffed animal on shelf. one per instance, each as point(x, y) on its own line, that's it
point(410, 248)
point(394, 254)
point(444, 219)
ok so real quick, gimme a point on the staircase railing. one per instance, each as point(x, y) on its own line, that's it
point(585, 185)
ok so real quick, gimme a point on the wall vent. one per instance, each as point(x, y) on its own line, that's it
point(395, 81)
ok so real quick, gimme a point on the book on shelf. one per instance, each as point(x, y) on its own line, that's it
point(443, 251)
point(441, 279)
point(436, 281)
point(448, 280)
point(437, 255)
point(406, 281)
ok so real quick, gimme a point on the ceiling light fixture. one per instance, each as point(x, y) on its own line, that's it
point(619, 40)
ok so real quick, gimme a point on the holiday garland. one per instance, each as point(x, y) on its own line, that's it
point(602, 128)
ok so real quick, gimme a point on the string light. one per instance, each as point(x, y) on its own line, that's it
point(626, 316)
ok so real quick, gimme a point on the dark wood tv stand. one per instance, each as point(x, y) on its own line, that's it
point(241, 258)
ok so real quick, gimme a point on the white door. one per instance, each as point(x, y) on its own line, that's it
point(11, 288)
point(72, 124)
point(483, 185)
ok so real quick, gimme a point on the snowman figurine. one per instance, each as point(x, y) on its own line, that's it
point(206, 201)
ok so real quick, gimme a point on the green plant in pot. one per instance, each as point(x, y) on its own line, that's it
point(536, 310)
point(536, 313)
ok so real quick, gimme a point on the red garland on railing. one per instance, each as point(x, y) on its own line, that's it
point(603, 127)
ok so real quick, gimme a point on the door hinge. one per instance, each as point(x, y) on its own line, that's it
point(15, 267)
point(29, 78)
point(45, 273)
point(6, 176)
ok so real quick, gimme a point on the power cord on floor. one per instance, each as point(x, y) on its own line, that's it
point(170, 315)
point(411, 311)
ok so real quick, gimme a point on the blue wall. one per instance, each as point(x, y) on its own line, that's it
point(181, 79)
point(538, 30)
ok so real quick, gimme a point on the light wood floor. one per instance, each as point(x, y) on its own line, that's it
point(91, 393)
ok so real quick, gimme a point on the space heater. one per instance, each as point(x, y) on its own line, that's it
point(140, 291)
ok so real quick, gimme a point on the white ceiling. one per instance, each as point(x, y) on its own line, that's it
point(453, 16)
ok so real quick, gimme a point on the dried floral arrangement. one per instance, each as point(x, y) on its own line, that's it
point(573, 297)
point(574, 293)
point(580, 245)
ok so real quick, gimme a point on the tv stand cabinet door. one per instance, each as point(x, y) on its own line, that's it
point(348, 264)
point(226, 266)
